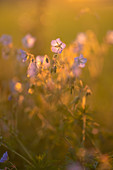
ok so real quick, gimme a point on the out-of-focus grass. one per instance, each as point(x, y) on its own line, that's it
point(49, 19)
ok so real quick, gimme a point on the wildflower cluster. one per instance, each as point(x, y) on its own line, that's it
point(47, 105)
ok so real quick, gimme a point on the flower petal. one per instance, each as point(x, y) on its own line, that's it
point(58, 41)
point(32, 69)
point(76, 59)
point(81, 56)
point(60, 50)
point(54, 49)
point(4, 158)
point(82, 65)
point(54, 43)
point(83, 60)
point(63, 45)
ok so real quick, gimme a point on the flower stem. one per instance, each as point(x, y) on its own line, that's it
point(84, 126)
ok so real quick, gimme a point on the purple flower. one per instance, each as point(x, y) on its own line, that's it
point(6, 40)
point(21, 55)
point(28, 41)
point(80, 61)
point(32, 69)
point(4, 158)
point(39, 61)
point(57, 46)
point(10, 97)
point(6, 52)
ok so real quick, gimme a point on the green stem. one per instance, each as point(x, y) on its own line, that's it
point(84, 129)
point(24, 148)
point(84, 126)
point(21, 156)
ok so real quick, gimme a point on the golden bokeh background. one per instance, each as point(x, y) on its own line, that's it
point(48, 19)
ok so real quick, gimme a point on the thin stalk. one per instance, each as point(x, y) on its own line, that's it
point(16, 119)
point(84, 129)
point(84, 126)
point(23, 147)
point(21, 156)
point(66, 108)
point(84, 120)
point(12, 165)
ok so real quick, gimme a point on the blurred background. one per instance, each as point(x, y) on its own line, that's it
point(49, 19)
